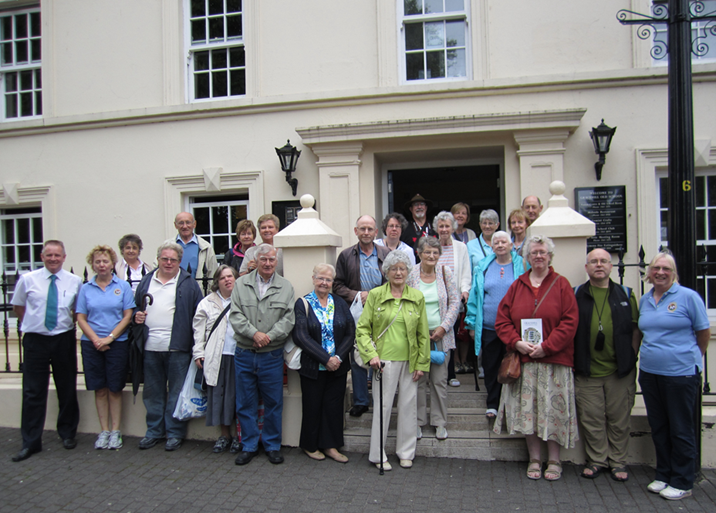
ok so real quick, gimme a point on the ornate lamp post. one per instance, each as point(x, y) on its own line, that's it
point(288, 155)
point(601, 138)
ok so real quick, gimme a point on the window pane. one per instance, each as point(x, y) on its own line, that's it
point(20, 26)
point(25, 80)
point(11, 82)
point(221, 244)
point(38, 79)
point(237, 57)
point(35, 50)
point(6, 28)
point(238, 82)
point(219, 85)
point(233, 5)
point(11, 106)
point(198, 8)
point(6, 50)
point(711, 294)
point(220, 218)
point(8, 229)
point(455, 31)
point(712, 225)
point(201, 85)
point(432, 6)
point(238, 213)
point(218, 59)
point(411, 7)
point(414, 66)
point(664, 234)
point(23, 253)
point(26, 104)
point(36, 252)
point(233, 26)
point(198, 31)
point(700, 191)
point(454, 5)
point(436, 64)
point(201, 216)
point(38, 103)
point(21, 51)
point(663, 193)
point(456, 63)
point(435, 35)
point(36, 229)
point(9, 254)
point(712, 190)
point(201, 61)
point(414, 36)
point(35, 26)
point(216, 28)
point(23, 230)
point(216, 7)
point(700, 224)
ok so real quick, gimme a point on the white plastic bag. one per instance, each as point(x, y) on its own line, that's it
point(356, 308)
point(292, 355)
point(192, 402)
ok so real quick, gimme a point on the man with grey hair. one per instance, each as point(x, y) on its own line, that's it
point(262, 317)
point(358, 270)
point(169, 340)
point(197, 254)
point(532, 207)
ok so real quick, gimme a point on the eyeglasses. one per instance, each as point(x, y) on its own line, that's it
point(323, 280)
point(264, 260)
point(184, 223)
point(603, 261)
point(662, 269)
point(487, 223)
point(166, 260)
point(539, 253)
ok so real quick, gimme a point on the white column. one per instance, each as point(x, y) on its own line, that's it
point(541, 154)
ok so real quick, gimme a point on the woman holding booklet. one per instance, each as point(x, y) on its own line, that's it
point(538, 318)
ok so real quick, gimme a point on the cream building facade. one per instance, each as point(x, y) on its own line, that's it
point(116, 116)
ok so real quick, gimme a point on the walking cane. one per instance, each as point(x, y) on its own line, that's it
point(379, 377)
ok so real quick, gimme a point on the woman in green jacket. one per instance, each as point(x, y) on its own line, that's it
point(393, 330)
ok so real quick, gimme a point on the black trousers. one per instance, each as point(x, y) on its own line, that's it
point(42, 352)
point(493, 351)
point(322, 424)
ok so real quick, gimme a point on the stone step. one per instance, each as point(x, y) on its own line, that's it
point(466, 419)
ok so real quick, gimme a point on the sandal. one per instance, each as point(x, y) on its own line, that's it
point(554, 469)
point(595, 471)
point(491, 413)
point(619, 470)
point(534, 470)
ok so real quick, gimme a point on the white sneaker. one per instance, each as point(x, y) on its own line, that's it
point(454, 382)
point(674, 494)
point(441, 433)
point(102, 440)
point(406, 463)
point(386, 466)
point(420, 432)
point(656, 486)
point(115, 440)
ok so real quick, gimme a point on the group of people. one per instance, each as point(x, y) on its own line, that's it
point(387, 312)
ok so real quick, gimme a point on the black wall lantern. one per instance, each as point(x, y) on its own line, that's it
point(601, 138)
point(288, 155)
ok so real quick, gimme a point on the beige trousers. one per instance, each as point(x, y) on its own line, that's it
point(395, 374)
point(437, 378)
point(604, 409)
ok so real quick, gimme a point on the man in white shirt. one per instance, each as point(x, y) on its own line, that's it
point(44, 302)
point(168, 343)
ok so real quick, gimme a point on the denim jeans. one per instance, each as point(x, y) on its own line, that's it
point(259, 373)
point(670, 405)
point(164, 374)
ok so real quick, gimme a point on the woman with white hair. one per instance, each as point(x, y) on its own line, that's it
point(676, 332)
point(482, 246)
point(393, 337)
point(325, 331)
point(538, 319)
point(493, 277)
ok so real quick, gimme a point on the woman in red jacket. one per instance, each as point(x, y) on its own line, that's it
point(538, 318)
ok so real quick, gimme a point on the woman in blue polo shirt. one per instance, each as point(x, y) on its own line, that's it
point(676, 332)
point(104, 309)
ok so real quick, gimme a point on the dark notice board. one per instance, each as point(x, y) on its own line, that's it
point(605, 207)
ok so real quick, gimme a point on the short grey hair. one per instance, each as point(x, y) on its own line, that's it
point(264, 249)
point(538, 239)
point(501, 234)
point(396, 257)
point(319, 268)
point(490, 215)
point(430, 242)
point(173, 246)
point(444, 216)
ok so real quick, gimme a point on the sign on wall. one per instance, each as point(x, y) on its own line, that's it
point(606, 208)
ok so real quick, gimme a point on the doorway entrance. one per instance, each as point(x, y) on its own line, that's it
point(477, 185)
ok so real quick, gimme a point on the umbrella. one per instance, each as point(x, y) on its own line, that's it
point(138, 335)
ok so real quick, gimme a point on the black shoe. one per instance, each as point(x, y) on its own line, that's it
point(172, 444)
point(69, 443)
point(358, 410)
point(244, 457)
point(148, 442)
point(235, 446)
point(24, 454)
point(275, 457)
point(221, 444)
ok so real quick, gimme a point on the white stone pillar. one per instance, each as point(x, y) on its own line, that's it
point(541, 154)
point(305, 242)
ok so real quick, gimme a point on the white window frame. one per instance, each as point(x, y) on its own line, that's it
point(698, 28)
point(404, 20)
point(24, 265)
point(225, 43)
point(33, 66)
point(209, 237)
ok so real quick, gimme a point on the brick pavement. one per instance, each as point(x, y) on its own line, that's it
point(195, 479)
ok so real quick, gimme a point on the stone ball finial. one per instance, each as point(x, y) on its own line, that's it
point(557, 188)
point(307, 201)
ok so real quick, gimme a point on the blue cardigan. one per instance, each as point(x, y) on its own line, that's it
point(474, 316)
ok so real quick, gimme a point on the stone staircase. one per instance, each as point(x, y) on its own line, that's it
point(470, 432)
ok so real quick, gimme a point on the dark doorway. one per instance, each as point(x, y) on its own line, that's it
point(476, 185)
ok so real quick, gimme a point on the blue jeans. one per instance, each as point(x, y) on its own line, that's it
point(164, 374)
point(259, 373)
point(359, 379)
point(670, 405)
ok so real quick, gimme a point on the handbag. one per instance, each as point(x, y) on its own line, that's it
point(291, 352)
point(510, 368)
point(356, 354)
point(199, 381)
point(437, 357)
